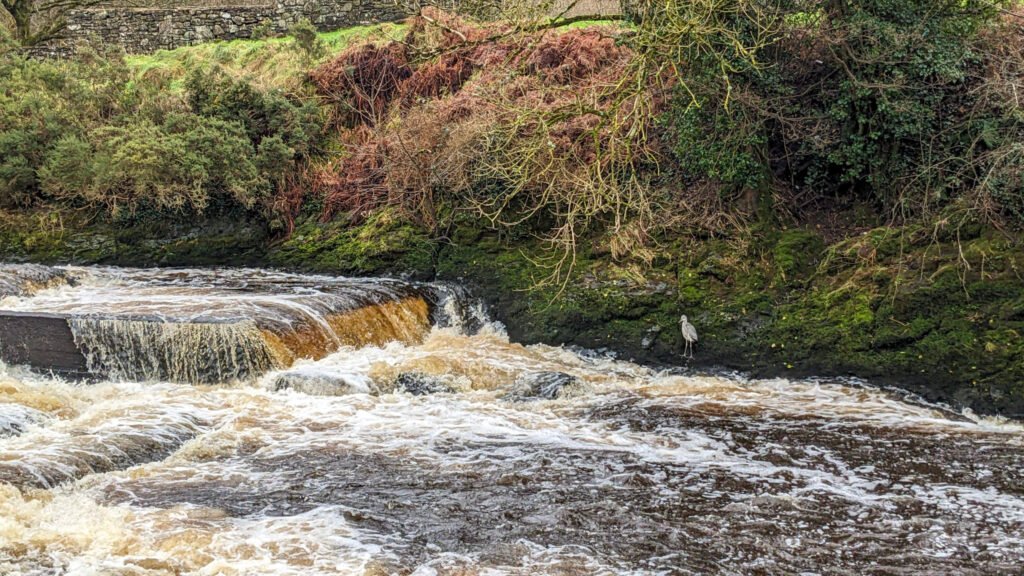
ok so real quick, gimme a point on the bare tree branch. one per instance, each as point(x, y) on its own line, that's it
point(37, 21)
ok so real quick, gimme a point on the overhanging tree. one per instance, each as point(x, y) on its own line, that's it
point(36, 21)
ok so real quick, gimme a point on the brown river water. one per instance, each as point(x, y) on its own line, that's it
point(247, 422)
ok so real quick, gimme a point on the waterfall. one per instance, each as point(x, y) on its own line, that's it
point(179, 352)
point(212, 352)
point(204, 326)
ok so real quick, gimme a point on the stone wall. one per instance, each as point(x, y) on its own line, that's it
point(141, 30)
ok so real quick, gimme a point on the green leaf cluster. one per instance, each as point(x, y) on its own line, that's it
point(898, 102)
point(85, 132)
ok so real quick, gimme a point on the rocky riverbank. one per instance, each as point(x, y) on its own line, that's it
point(939, 311)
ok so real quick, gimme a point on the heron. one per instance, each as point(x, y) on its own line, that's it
point(689, 335)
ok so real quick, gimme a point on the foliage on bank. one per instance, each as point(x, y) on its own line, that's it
point(798, 107)
point(823, 188)
point(781, 111)
point(487, 119)
point(908, 104)
point(84, 133)
point(208, 130)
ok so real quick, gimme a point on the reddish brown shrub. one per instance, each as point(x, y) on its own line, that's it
point(355, 183)
point(432, 80)
point(431, 157)
point(572, 56)
point(453, 51)
point(362, 81)
point(575, 138)
point(535, 114)
point(291, 194)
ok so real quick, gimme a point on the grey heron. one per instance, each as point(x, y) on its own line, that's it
point(689, 335)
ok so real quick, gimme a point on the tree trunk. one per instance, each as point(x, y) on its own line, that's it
point(21, 13)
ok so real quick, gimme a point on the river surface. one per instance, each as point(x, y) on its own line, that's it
point(375, 427)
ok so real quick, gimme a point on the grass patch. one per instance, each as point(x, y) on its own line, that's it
point(612, 24)
point(273, 63)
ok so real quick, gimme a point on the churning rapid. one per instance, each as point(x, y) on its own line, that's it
point(249, 422)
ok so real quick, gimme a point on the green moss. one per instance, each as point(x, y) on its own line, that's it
point(383, 243)
point(796, 253)
point(71, 237)
point(892, 306)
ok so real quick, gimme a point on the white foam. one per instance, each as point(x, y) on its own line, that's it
point(762, 451)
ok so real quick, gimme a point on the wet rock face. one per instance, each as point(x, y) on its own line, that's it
point(320, 384)
point(419, 384)
point(27, 279)
point(41, 340)
point(955, 338)
point(546, 386)
point(234, 240)
point(16, 419)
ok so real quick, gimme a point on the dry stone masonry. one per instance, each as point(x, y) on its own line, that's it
point(141, 30)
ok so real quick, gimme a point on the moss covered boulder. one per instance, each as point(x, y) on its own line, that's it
point(939, 316)
point(382, 244)
point(68, 237)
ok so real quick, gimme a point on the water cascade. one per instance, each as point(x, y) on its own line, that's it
point(248, 422)
point(202, 327)
point(176, 351)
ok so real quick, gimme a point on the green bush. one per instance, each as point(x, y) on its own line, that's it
point(181, 166)
point(86, 132)
point(35, 113)
point(7, 41)
point(713, 143)
point(308, 42)
point(881, 100)
point(902, 69)
point(298, 124)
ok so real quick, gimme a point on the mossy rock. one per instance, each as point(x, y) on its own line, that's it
point(950, 336)
point(384, 243)
point(80, 238)
point(796, 253)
